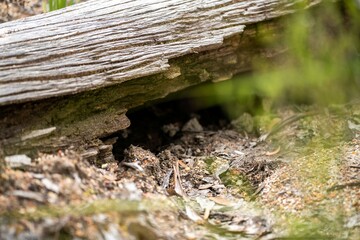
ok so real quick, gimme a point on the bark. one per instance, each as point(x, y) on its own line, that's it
point(68, 77)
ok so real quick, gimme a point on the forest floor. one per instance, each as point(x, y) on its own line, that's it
point(183, 173)
point(294, 174)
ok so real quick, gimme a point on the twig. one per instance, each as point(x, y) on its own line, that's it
point(133, 165)
point(284, 123)
point(342, 186)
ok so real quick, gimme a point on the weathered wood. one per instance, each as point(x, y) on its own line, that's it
point(68, 77)
point(101, 43)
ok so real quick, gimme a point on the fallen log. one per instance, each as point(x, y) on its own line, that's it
point(68, 77)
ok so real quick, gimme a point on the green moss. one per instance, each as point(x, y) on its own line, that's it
point(87, 209)
point(238, 183)
point(314, 227)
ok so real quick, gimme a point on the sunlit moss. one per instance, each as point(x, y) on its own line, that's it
point(317, 166)
point(238, 183)
point(86, 209)
point(310, 228)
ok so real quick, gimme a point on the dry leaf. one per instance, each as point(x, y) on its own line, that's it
point(192, 215)
point(222, 201)
point(273, 152)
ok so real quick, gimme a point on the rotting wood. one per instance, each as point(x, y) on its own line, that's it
point(78, 70)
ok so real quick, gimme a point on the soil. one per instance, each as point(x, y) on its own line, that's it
point(16, 9)
point(12, 10)
point(183, 172)
point(195, 174)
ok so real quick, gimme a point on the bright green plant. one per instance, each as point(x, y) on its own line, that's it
point(57, 4)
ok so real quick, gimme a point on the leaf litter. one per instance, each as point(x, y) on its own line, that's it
point(208, 182)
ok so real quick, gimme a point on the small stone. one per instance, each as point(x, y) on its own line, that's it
point(353, 221)
point(244, 122)
point(38, 133)
point(192, 125)
point(29, 195)
point(239, 152)
point(104, 166)
point(17, 160)
point(49, 185)
point(205, 186)
point(171, 129)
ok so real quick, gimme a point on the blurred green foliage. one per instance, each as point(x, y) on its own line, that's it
point(321, 64)
point(57, 4)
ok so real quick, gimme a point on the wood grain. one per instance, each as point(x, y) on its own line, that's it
point(105, 42)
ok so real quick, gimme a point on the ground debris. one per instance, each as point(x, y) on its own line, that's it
point(15, 161)
point(204, 184)
point(192, 125)
point(192, 167)
point(28, 195)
